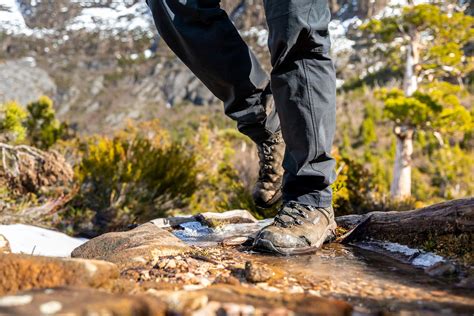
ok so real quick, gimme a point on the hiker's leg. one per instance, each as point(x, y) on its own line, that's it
point(202, 36)
point(303, 85)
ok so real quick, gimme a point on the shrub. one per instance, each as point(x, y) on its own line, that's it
point(12, 119)
point(352, 189)
point(220, 187)
point(132, 177)
point(44, 129)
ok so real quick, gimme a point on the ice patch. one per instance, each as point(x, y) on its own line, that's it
point(18, 300)
point(39, 241)
point(394, 247)
point(50, 308)
point(416, 257)
point(192, 230)
point(427, 260)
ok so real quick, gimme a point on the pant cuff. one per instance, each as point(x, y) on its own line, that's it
point(314, 199)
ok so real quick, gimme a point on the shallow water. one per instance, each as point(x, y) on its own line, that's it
point(373, 282)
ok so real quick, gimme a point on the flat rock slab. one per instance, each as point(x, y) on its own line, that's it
point(220, 219)
point(172, 221)
point(238, 300)
point(24, 272)
point(140, 245)
point(70, 301)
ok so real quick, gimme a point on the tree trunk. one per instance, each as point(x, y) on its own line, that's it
point(447, 226)
point(410, 80)
point(401, 183)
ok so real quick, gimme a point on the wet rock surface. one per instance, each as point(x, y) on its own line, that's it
point(139, 245)
point(213, 271)
point(74, 301)
point(23, 272)
point(221, 219)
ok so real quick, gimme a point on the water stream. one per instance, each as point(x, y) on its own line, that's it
point(374, 282)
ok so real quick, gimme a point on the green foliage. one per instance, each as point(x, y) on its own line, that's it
point(452, 171)
point(44, 129)
point(352, 188)
point(12, 119)
point(135, 176)
point(436, 107)
point(141, 173)
point(367, 131)
point(220, 187)
point(441, 48)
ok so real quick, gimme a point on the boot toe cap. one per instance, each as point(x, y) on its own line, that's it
point(280, 239)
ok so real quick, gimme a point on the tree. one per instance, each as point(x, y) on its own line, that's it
point(432, 38)
point(435, 108)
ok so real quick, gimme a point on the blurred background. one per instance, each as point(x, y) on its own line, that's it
point(119, 131)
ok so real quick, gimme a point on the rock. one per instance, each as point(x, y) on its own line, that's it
point(172, 221)
point(255, 272)
point(223, 299)
point(23, 81)
point(221, 219)
point(441, 269)
point(4, 245)
point(466, 283)
point(75, 301)
point(23, 272)
point(237, 241)
point(143, 244)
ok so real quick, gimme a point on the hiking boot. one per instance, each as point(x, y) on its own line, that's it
point(267, 190)
point(297, 229)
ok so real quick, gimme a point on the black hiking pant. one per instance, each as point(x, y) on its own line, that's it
point(302, 82)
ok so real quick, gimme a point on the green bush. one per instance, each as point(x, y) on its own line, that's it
point(132, 177)
point(12, 120)
point(44, 130)
point(220, 187)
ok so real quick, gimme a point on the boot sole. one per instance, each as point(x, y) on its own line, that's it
point(264, 245)
point(274, 200)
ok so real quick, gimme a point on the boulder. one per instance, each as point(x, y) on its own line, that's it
point(143, 244)
point(225, 299)
point(76, 301)
point(230, 217)
point(20, 272)
point(4, 245)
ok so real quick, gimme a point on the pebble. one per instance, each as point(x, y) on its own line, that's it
point(256, 273)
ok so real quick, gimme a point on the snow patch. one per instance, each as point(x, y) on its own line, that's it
point(39, 241)
point(115, 18)
point(260, 34)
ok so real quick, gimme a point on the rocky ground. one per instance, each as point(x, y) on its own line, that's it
point(203, 265)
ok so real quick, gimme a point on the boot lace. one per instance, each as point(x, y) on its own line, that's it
point(265, 153)
point(292, 214)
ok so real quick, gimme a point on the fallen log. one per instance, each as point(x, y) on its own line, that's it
point(445, 227)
